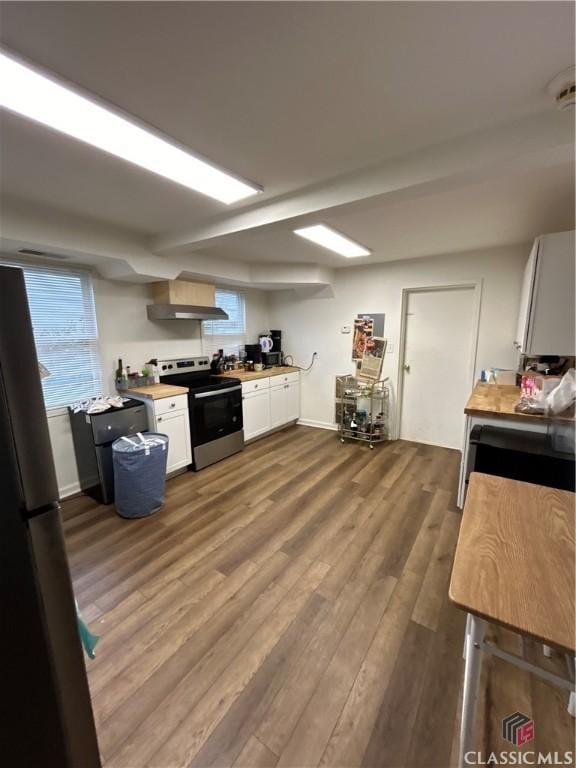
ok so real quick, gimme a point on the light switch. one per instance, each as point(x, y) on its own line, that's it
point(345, 329)
point(390, 349)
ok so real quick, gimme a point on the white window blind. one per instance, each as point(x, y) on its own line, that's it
point(230, 334)
point(61, 305)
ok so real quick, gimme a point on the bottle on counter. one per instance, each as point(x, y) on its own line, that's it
point(153, 362)
point(119, 369)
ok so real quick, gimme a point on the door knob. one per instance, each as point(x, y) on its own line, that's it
point(407, 368)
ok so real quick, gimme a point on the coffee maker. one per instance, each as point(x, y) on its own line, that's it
point(253, 353)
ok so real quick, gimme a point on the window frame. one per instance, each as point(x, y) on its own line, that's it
point(89, 301)
point(237, 340)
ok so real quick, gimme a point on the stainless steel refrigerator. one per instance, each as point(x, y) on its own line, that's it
point(46, 714)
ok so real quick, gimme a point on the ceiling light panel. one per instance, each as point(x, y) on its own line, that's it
point(334, 241)
point(27, 92)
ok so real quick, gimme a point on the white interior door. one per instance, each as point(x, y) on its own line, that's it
point(438, 358)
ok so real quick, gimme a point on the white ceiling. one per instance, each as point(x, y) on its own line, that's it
point(515, 209)
point(289, 95)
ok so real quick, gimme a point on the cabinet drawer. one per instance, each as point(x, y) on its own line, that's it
point(284, 378)
point(255, 386)
point(169, 404)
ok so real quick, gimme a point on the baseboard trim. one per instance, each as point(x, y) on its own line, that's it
point(317, 424)
point(69, 490)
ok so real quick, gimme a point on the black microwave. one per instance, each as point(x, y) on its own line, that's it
point(271, 359)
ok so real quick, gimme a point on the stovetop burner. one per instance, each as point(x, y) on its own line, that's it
point(194, 373)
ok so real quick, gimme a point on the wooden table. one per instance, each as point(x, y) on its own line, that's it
point(514, 566)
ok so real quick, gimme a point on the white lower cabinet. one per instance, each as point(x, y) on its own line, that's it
point(169, 415)
point(270, 403)
point(277, 406)
point(256, 413)
point(176, 425)
point(292, 399)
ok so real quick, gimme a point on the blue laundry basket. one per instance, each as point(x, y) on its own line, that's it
point(139, 473)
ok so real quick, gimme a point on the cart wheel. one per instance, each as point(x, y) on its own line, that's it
point(341, 439)
point(371, 447)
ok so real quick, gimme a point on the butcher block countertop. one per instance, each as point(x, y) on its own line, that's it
point(499, 400)
point(157, 391)
point(252, 375)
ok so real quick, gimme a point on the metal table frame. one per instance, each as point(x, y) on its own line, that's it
point(475, 645)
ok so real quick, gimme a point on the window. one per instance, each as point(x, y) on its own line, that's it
point(64, 320)
point(230, 334)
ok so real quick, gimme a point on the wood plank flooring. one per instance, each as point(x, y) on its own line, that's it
point(288, 607)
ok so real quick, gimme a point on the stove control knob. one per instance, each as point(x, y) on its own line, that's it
point(164, 367)
point(170, 367)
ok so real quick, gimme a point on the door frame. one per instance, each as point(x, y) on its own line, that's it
point(476, 286)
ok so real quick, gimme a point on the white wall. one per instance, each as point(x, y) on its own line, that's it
point(314, 325)
point(125, 331)
point(311, 325)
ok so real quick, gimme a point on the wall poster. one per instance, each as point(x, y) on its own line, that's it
point(366, 327)
point(371, 365)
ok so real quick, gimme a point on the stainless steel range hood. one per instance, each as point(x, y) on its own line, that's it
point(184, 312)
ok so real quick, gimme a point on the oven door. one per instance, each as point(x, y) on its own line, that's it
point(215, 414)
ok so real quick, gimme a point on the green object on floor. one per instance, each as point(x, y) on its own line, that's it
point(89, 640)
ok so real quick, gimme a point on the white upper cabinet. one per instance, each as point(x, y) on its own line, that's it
point(546, 316)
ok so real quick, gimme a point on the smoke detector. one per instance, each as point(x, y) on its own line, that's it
point(563, 89)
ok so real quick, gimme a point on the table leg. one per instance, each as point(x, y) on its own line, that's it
point(473, 661)
point(466, 633)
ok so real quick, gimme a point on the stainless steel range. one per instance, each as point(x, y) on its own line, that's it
point(214, 407)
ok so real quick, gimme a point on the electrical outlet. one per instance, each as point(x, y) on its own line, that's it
point(345, 329)
point(390, 349)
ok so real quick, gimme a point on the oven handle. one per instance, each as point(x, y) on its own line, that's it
point(217, 392)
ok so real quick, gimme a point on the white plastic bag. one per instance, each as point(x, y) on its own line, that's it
point(563, 396)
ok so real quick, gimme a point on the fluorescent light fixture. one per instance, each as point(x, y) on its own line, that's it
point(27, 92)
point(334, 241)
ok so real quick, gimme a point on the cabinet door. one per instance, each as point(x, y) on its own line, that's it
point(277, 406)
point(177, 426)
point(292, 401)
point(256, 413)
point(526, 300)
point(551, 327)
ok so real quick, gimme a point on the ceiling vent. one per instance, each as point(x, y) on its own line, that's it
point(42, 254)
point(563, 89)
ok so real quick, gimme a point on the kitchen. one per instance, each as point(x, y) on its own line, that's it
point(295, 590)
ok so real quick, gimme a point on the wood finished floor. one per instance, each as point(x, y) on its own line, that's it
point(288, 607)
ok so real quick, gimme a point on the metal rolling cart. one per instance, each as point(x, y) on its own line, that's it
point(362, 409)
